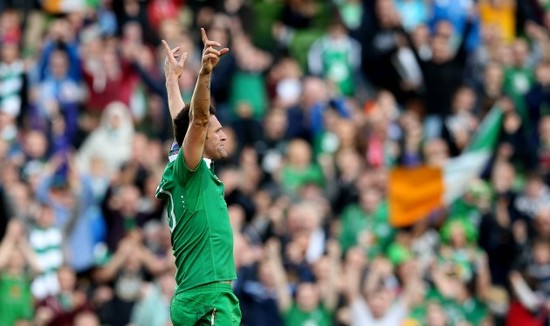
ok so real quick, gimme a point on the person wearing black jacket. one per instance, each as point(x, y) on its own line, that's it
point(442, 73)
point(497, 238)
point(379, 38)
point(3, 212)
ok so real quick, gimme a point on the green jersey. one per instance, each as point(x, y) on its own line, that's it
point(320, 316)
point(202, 239)
point(355, 222)
point(15, 299)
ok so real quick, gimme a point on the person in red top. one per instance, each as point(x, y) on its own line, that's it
point(109, 78)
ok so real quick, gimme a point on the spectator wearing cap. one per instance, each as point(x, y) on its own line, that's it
point(461, 275)
point(459, 248)
point(410, 273)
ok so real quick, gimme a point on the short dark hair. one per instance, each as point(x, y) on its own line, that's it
point(180, 124)
point(534, 175)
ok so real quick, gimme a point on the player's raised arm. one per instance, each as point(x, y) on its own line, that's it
point(199, 114)
point(173, 69)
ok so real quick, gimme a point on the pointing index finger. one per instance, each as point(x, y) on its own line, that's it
point(166, 47)
point(204, 37)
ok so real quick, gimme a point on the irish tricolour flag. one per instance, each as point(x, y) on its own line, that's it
point(64, 6)
point(414, 193)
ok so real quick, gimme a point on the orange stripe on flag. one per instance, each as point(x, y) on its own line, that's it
point(52, 6)
point(413, 193)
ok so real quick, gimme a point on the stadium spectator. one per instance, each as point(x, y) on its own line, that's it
point(322, 103)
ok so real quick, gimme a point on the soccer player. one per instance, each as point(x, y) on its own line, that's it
point(202, 239)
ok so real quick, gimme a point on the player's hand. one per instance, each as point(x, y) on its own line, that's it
point(210, 56)
point(175, 62)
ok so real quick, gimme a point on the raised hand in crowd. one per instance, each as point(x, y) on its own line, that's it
point(15, 251)
point(131, 250)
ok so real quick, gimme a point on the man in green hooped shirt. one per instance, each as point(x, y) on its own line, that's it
point(202, 239)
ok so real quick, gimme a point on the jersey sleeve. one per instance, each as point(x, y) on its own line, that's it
point(182, 172)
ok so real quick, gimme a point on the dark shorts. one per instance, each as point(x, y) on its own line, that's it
point(209, 304)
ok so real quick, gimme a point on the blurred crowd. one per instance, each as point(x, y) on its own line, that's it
point(320, 100)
